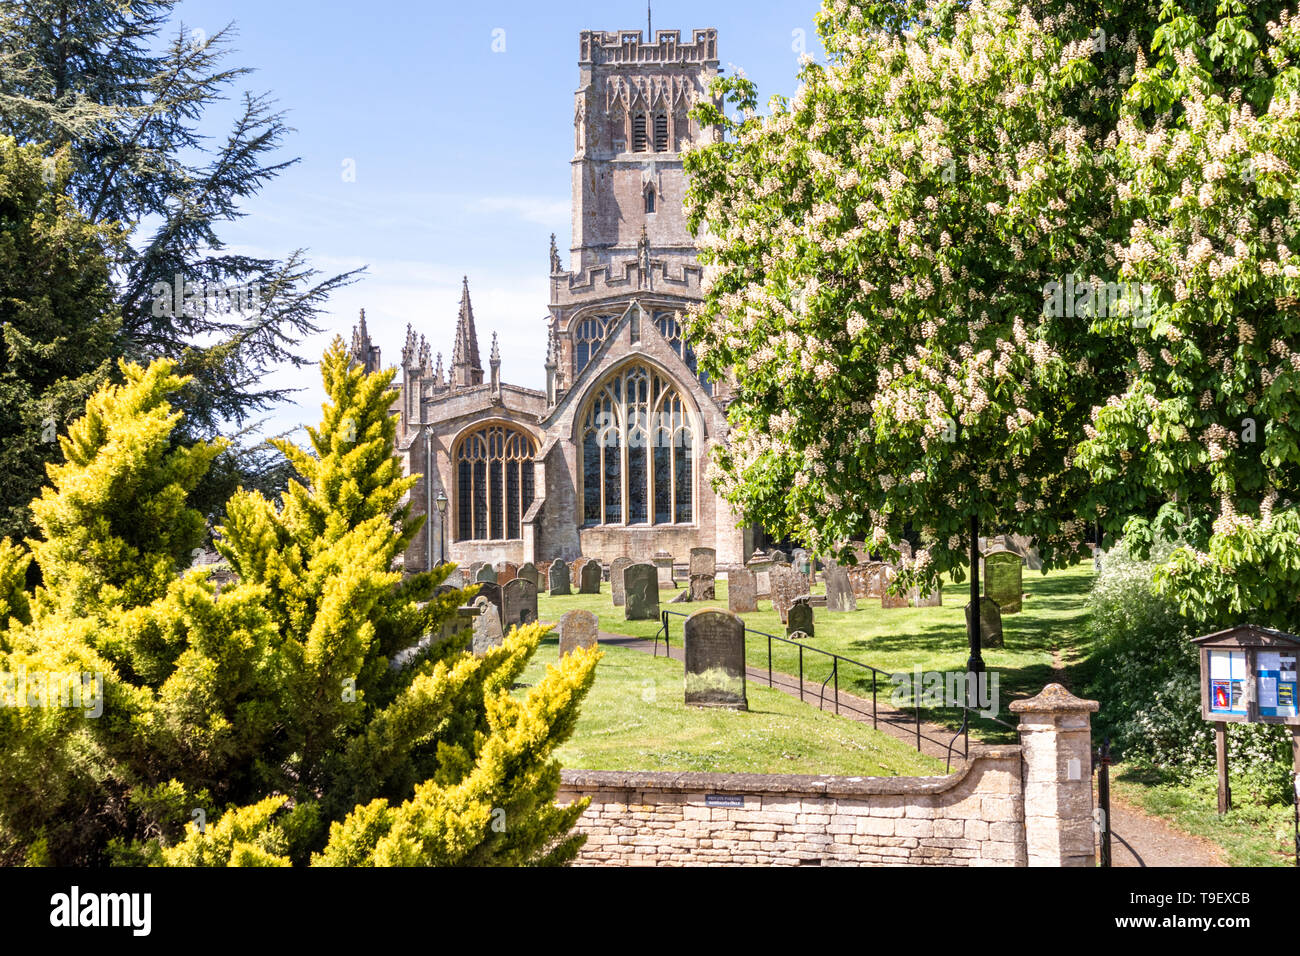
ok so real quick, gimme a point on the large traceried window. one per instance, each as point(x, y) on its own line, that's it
point(494, 483)
point(671, 328)
point(638, 450)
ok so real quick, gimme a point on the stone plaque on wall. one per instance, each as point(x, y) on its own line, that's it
point(578, 628)
point(616, 569)
point(715, 660)
point(1003, 580)
point(641, 587)
point(558, 577)
point(742, 595)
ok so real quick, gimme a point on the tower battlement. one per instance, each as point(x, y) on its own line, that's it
point(628, 47)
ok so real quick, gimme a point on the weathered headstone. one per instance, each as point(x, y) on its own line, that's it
point(800, 618)
point(487, 573)
point(702, 587)
point(589, 581)
point(786, 585)
point(506, 572)
point(1003, 580)
point(492, 592)
point(528, 571)
point(892, 602)
point(778, 556)
point(558, 577)
point(456, 579)
point(519, 603)
point(616, 569)
point(742, 595)
point(703, 561)
point(839, 591)
point(578, 628)
point(641, 592)
point(663, 563)
point(715, 660)
point(487, 627)
point(990, 622)
point(932, 599)
point(877, 576)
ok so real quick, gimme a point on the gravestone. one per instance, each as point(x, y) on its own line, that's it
point(641, 592)
point(778, 556)
point(891, 602)
point(575, 570)
point(742, 594)
point(800, 618)
point(1003, 580)
point(578, 628)
point(487, 573)
point(839, 591)
point(519, 603)
point(715, 660)
point(761, 565)
point(663, 563)
point(616, 569)
point(703, 561)
point(990, 622)
point(875, 578)
point(444, 588)
point(492, 592)
point(487, 627)
point(860, 552)
point(528, 571)
point(506, 572)
point(905, 550)
point(787, 584)
point(558, 577)
point(456, 579)
point(933, 599)
point(589, 581)
point(702, 587)
point(858, 578)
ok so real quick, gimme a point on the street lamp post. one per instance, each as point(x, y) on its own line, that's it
point(442, 526)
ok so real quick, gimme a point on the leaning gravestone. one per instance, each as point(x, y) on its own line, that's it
point(519, 603)
point(506, 572)
point(787, 584)
point(641, 592)
point(558, 577)
point(589, 582)
point(800, 618)
point(703, 561)
point(616, 569)
point(715, 660)
point(990, 622)
point(492, 592)
point(578, 628)
point(487, 627)
point(839, 591)
point(1003, 581)
point(487, 573)
point(742, 593)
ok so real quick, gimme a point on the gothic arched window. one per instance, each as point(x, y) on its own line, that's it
point(650, 200)
point(638, 451)
point(670, 327)
point(661, 133)
point(587, 338)
point(494, 483)
point(638, 133)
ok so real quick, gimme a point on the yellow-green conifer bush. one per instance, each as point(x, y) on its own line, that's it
point(265, 722)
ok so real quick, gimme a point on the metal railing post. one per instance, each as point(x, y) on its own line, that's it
point(801, 672)
point(836, 667)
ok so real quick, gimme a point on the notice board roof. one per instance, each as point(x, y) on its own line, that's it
point(1248, 635)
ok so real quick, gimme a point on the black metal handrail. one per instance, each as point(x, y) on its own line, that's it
point(876, 673)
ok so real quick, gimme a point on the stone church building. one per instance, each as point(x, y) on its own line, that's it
point(609, 460)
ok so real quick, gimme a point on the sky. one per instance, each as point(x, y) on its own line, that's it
point(435, 142)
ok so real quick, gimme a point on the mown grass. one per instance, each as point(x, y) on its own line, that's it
point(893, 641)
point(634, 718)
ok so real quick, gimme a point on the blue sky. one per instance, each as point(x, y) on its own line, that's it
point(460, 154)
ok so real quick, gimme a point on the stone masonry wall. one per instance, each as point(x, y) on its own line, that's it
point(974, 817)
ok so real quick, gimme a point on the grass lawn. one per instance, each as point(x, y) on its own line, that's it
point(894, 641)
point(634, 718)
